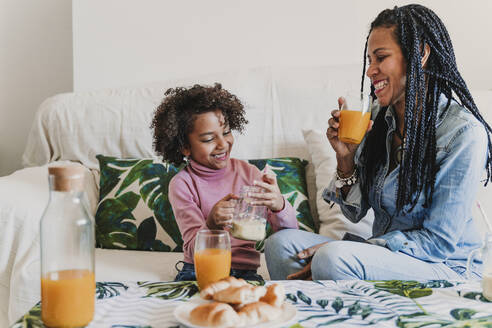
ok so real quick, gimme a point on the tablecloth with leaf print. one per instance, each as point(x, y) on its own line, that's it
point(395, 303)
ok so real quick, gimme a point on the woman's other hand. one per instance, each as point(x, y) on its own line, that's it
point(271, 197)
point(220, 215)
point(307, 255)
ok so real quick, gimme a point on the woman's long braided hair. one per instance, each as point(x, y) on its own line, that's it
point(415, 26)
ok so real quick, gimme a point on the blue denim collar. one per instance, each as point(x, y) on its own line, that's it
point(441, 112)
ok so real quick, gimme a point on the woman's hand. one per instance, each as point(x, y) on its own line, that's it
point(220, 215)
point(271, 197)
point(307, 254)
point(345, 152)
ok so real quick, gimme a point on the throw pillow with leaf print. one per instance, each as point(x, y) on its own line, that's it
point(134, 211)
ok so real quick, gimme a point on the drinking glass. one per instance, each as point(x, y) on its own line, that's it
point(249, 221)
point(485, 253)
point(354, 117)
point(212, 256)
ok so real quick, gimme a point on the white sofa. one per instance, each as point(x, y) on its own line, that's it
point(288, 109)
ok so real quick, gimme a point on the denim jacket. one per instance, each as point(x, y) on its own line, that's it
point(443, 232)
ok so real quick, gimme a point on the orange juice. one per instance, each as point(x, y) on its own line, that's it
point(211, 265)
point(353, 126)
point(67, 298)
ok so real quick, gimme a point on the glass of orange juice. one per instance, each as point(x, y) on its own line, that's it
point(212, 256)
point(354, 117)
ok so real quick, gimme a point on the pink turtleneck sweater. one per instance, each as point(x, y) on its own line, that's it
point(196, 189)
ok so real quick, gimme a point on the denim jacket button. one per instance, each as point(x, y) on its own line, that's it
point(405, 243)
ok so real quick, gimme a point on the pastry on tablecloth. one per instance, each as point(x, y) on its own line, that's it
point(238, 304)
point(258, 312)
point(275, 295)
point(215, 314)
point(222, 284)
point(240, 295)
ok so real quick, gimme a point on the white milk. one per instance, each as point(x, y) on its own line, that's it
point(249, 229)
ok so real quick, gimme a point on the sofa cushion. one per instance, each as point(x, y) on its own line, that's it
point(332, 221)
point(134, 211)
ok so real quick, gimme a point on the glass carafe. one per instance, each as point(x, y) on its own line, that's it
point(485, 254)
point(67, 252)
point(249, 220)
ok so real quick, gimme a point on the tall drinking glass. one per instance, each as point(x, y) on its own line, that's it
point(212, 256)
point(354, 117)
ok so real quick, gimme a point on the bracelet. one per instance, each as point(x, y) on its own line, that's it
point(349, 181)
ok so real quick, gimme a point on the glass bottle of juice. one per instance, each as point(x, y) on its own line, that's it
point(67, 251)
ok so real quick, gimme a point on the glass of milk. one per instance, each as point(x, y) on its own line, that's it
point(485, 253)
point(249, 221)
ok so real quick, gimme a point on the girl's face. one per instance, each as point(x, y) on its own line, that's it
point(387, 67)
point(211, 140)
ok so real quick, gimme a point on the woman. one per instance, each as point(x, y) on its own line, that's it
point(418, 167)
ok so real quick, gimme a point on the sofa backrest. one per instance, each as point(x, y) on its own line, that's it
point(279, 102)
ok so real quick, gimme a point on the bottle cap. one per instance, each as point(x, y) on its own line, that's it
point(67, 177)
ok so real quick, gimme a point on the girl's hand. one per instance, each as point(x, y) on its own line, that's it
point(345, 152)
point(220, 215)
point(307, 254)
point(271, 197)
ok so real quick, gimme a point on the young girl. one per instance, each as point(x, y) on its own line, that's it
point(194, 126)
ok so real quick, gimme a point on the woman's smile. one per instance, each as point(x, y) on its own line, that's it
point(387, 67)
point(379, 85)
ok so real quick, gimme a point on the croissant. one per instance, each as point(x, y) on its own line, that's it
point(215, 314)
point(275, 295)
point(222, 284)
point(240, 295)
point(257, 312)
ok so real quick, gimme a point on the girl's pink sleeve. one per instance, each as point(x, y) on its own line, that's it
point(189, 216)
point(284, 219)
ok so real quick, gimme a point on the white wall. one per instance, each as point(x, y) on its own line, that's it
point(35, 63)
point(126, 42)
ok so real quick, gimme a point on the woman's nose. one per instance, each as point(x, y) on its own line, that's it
point(371, 70)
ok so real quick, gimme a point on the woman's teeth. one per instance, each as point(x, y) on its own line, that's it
point(381, 84)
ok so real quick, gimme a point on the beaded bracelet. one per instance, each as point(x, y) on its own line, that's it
point(349, 181)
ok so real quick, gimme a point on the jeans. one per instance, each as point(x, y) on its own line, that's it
point(187, 273)
point(346, 260)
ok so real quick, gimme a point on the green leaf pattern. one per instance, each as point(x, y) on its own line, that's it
point(134, 211)
point(109, 289)
point(321, 303)
point(170, 290)
point(31, 319)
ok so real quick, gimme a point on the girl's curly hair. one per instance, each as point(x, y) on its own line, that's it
point(174, 117)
